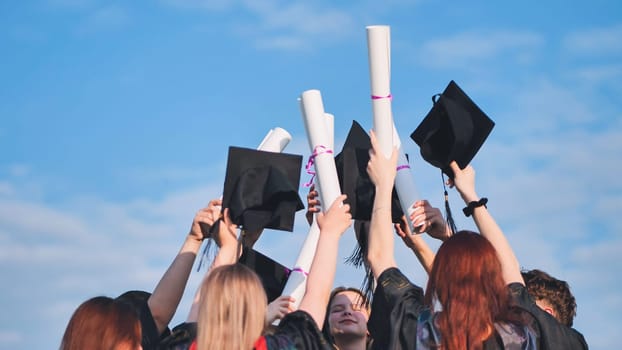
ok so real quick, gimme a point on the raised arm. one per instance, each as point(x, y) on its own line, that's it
point(226, 239)
point(428, 219)
point(464, 181)
point(381, 170)
point(167, 294)
point(415, 242)
point(322, 272)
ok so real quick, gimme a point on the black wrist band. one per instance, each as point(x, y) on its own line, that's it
point(468, 210)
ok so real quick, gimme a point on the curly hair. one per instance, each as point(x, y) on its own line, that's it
point(544, 287)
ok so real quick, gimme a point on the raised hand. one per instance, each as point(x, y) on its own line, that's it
point(205, 219)
point(278, 308)
point(227, 232)
point(313, 204)
point(464, 181)
point(337, 219)
point(429, 219)
point(381, 170)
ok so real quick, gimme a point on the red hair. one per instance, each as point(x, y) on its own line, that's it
point(102, 323)
point(466, 280)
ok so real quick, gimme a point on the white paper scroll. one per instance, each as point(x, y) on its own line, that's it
point(318, 126)
point(379, 51)
point(404, 182)
point(275, 141)
point(315, 126)
point(330, 129)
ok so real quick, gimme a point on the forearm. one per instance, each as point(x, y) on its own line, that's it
point(424, 254)
point(321, 277)
point(169, 291)
point(488, 228)
point(381, 241)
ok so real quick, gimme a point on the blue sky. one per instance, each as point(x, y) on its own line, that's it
point(115, 119)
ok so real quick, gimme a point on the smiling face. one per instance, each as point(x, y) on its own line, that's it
point(347, 315)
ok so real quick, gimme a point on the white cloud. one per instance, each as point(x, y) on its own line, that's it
point(212, 5)
point(6, 189)
point(466, 49)
point(36, 221)
point(595, 42)
point(58, 255)
point(282, 25)
point(597, 74)
point(18, 170)
point(9, 338)
point(72, 4)
point(104, 19)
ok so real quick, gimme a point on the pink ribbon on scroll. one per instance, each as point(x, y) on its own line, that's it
point(389, 96)
point(319, 149)
point(298, 269)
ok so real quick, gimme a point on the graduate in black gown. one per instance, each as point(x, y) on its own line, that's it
point(475, 298)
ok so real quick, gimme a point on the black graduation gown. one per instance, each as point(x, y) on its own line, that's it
point(397, 305)
point(297, 330)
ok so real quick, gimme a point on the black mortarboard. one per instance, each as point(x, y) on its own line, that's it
point(354, 180)
point(273, 275)
point(261, 189)
point(454, 129)
point(351, 164)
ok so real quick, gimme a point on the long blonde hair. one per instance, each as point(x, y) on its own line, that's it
point(232, 309)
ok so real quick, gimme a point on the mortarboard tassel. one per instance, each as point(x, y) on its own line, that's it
point(208, 253)
point(367, 287)
point(448, 217)
point(357, 259)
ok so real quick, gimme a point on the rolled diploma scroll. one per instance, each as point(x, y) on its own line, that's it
point(404, 182)
point(275, 141)
point(330, 130)
point(315, 122)
point(379, 50)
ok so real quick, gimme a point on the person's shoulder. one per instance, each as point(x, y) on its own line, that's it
point(578, 339)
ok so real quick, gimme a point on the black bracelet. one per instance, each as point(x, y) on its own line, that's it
point(468, 210)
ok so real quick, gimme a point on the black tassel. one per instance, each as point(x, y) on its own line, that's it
point(448, 216)
point(356, 258)
point(367, 287)
point(359, 253)
point(208, 254)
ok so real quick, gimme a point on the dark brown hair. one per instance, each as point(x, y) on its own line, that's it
point(542, 286)
point(467, 281)
point(102, 323)
point(333, 294)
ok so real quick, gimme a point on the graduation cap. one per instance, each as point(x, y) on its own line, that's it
point(454, 129)
point(351, 164)
point(261, 189)
point(273, 275)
